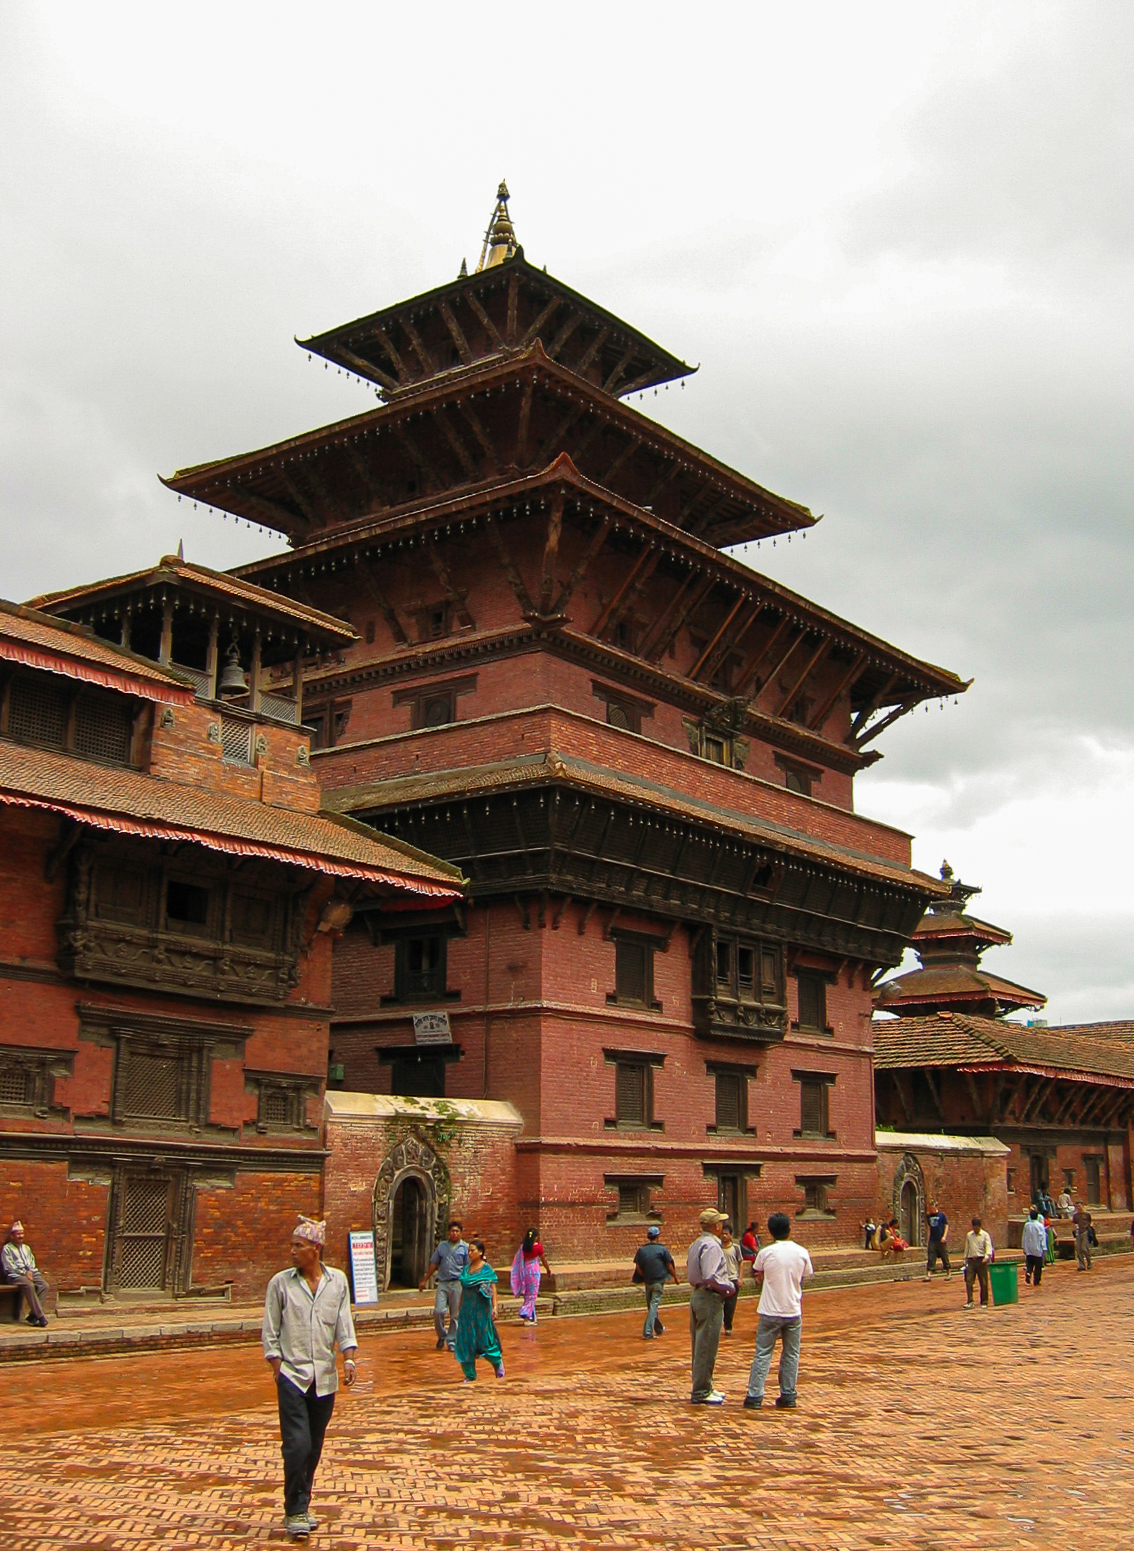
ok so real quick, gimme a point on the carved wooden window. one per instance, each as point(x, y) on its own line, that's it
point(236, 740)
point(812, 1002)
point(738, 987)
point(38, 712)
point(633, 1200)
point(121, 895)
point(716, 749)
point(420, 967)
point(816, 1202)
point(104, 728)
point(27, 1080)
point(281, 1101)
point(731, 1105)
point(622, 710)
point(188, 907)
point(434, 705)
point(252, 918)
point(634, 1195)
point(433, 622)
point(40, 709)
point(813, 1105)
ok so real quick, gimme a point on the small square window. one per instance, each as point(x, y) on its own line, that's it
point(633, 1200)
point(815, 1196)
point(186, 907)
point(1068, 1179)
point(716, 749)
point(627, 717)
point(797, 781)
point(420, 968)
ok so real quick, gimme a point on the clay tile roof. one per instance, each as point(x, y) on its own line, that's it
point(943, 925)
point(953, 982)
point(1088, 1051)
point(170, 570)
point(527, 770)
point(131, 802)
point(57, 646)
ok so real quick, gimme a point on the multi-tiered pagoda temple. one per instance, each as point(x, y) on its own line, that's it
point(638, 750)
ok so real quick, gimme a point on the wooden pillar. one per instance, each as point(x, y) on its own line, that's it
point(125, 641)
point(254, 674)
point(297, 682)
point(211, 656)
point(165, 653)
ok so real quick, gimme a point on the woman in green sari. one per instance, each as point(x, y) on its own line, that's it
point(477, 1335)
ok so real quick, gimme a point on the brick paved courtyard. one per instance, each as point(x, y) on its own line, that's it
point(919, 1425)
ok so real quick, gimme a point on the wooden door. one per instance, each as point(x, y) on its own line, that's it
point(146, 1232)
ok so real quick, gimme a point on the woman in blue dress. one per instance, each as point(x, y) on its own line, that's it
point(477, 1335)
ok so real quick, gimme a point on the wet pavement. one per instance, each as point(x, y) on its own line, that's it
point(919, 1425)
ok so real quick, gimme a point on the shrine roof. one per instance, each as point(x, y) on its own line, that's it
point(972, 1043)
point(220, 586)
point(256, 486)
point(130, 802)
point(37, 640)
point(512, 296)
point(937, 926)
point(953, 983)
point(583, 774)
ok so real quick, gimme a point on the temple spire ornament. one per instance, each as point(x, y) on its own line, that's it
point(500, 237)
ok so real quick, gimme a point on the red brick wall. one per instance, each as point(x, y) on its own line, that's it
point(64, 1222)
point(242, 1233)
point(964, 1185)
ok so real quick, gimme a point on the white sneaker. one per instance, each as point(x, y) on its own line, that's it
point(713, 1398)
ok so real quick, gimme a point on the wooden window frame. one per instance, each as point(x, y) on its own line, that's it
point(742, 1074)
point(624, 943)
point(644, 1185)
point(417, 696)
point(820, 1184)
point(648, 1063)
point(824, 1082)
point(438, 991)
point(816, 977)
point(635, 711)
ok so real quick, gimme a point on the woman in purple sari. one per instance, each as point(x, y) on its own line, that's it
point(525, 1274)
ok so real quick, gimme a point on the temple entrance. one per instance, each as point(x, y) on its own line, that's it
point(410, 1246)
point(909, 1214)
point(1039, 1174)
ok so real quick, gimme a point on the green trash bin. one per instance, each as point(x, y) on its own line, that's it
point(1005, 1287)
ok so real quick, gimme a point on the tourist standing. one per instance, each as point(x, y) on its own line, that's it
point(306, 1312)
point(477, 1335)
point(978, 1258)
point(937, 1248)
point(1081, 1222)
point(653, 1265)
point(1033, 1242)
point(779, 1271)
point(708, 1279)
point(448, 1260)
point(18, 1268)
point(734, 1260)
point(525, 1274)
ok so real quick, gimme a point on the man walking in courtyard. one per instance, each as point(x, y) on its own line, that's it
point(18, 1268)
point(708, 1279)
point(937, 1249)
point(653, 1266)
point(448, 1260)
point(978, 1258)
point(779, 1269)
point(1081, 1222)
point(1033, 1241)
point(306, 1312)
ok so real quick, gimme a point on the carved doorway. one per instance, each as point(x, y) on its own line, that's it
point(909, 1215)
point(411, 1209)
point(148, 1232)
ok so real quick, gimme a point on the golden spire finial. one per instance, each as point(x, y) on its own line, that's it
point(500, 237)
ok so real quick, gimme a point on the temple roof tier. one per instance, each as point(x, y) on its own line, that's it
point(788, 631)
point(1097, 1052)
point(478, 427)
point(34, 639)
point(490, 315)
point(954, 986)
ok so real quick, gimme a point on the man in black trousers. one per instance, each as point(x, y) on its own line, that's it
point(306, 1313)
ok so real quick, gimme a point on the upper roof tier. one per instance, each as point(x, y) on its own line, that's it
point(491, 421)
point(502, 307)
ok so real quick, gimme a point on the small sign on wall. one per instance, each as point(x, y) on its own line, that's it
point(432, 1028)
point(363, 1272)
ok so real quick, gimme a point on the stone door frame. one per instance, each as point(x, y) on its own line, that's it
point(411, 1158)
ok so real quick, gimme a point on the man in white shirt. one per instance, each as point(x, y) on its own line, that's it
point(18, 1267)
point(306, 1311)
point(978, 1258)
point(1034, 1244)
point(779, 1270)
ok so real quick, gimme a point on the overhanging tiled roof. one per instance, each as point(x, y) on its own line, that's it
point(172, 572)
point(535, 770)
point(953, 983)
point(37, 640)
point(963, 1040)
point(130, 802)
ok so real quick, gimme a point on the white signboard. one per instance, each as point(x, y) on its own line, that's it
point(363, 1272)
point(432, 1028)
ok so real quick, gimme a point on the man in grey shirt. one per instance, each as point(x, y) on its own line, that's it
point(711, 1285)
point(448, 1260)
point(306, 1311)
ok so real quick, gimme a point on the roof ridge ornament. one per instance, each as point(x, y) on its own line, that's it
point(500, 236)
point(958, 896)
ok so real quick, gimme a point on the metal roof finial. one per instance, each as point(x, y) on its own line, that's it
point(500, 237)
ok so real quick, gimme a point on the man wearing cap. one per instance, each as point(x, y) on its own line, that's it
point(20, 1270)
point(653, 1265)
point(709, 1280)
point(306, 1311)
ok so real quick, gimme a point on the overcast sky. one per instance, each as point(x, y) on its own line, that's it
point(897, 239)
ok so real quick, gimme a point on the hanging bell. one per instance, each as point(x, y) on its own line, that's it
point(233, 681)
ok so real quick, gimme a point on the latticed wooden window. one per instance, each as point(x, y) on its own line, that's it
point(38, 712)
point(153, 1089)
point(633, 1200)
point(17, 1085)
point(104, 726)
point(730, 1101)
point(144, 1232)
point(813, 1106)
point(815, 1196)
point(277, 1107)
point(632, 1093)
point(236, 740)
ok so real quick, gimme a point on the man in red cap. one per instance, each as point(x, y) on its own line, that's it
point(19, 1268)
point(306, 1313)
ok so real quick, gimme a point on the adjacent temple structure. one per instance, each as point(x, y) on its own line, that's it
point(639, 751)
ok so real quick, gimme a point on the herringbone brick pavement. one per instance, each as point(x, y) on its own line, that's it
point(919, 1426)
